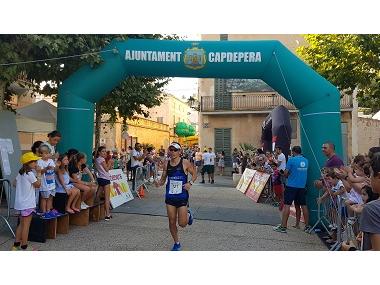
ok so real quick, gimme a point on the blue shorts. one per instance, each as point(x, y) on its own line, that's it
point(103, 182)
point(298, 195)
point(177, 202)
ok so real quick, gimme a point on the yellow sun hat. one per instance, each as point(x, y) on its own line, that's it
point(28, 157)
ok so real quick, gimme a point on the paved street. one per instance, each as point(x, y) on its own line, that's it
point(225, 220)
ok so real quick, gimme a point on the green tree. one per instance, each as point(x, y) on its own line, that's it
point(348, 61)
point(124, 101)
point(193, 103)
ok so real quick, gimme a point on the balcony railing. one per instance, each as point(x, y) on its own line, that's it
point(258, 102)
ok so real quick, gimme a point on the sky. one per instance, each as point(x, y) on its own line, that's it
point(183, 86)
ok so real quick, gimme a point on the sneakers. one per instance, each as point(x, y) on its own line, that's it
point(203, 182)
point(15, 248)
point(176, 247)
point(48, 215)
point(212, 182)
point(29, 248)
point(307, 229)
point(107, 218)
point(191, 217)
point(279, 229)
point(55, 213)
point(83, 206)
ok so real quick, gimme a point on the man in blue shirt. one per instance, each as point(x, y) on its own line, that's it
point(296, 172)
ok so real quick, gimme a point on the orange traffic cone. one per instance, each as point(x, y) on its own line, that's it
point(141, 191)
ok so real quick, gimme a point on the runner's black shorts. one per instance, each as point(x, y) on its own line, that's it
point(177, 202)
point(298, 195)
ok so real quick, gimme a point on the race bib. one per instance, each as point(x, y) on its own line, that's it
point(175, 187)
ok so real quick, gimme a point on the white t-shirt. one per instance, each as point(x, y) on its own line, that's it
point(102, 173)
point(208, 158)
point(281, 158)
point(52, 148)
point(135, 162)
point(355, 197)
point(48, 178)
point(337, 187)
point(25, 197)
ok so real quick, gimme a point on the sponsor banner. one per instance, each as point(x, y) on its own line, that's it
point(257, 185)
point(120, 192)
point(245, 180)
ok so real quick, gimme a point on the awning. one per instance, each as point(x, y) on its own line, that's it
point(41, 111)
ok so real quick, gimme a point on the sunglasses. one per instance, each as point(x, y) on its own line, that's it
point(173, 149)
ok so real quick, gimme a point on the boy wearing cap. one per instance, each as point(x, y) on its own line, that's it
point(176, 170)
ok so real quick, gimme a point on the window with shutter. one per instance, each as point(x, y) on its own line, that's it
point(223, 143)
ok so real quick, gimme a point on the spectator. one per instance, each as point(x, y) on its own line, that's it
point(198, 160)
point(370, 217)
point(278, 187)
point(53, 139)
point(296, 172)
point(104, 179)
point(280, 159)
point(137, 159)
point(76, 166)
point(235, 160)
point(221, 163)
point(328, 148)
point(64, 185)
point(208, 165)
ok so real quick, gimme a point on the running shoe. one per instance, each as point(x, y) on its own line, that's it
point(107, 218)
point(176, 247)
point(203, 182)
point(307, 229)
point(191, 217)
point(279, 229)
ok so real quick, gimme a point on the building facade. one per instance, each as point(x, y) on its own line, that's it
point(232, 111)
point(171, 111)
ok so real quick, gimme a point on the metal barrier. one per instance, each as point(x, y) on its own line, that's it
point(4, 182)
point(269, 192)
point(338, 221)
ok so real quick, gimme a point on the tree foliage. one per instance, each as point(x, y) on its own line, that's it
point(126, 98)
point(348, 61)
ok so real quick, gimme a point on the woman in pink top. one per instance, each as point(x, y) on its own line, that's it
point(104, 178)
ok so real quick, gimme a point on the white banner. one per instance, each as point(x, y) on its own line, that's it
point(120, 192)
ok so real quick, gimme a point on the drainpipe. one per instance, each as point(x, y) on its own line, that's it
point(354, 130)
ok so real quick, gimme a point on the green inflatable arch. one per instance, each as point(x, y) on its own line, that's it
point(315, 97)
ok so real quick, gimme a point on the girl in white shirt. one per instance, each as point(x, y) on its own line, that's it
point(25, 198)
